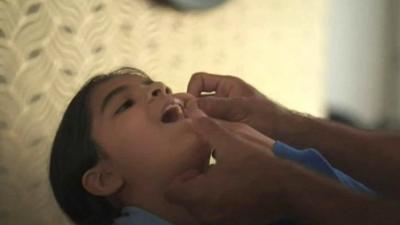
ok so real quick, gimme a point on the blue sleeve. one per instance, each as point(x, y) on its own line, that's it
point(136, 216)
point(313, 160)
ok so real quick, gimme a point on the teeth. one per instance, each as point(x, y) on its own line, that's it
point(172, 113)
point(177, 106)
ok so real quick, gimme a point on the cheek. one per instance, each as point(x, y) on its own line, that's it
point(132, 145)
point(155, 160)
point(136, 146)
point(137, 161)
point(134, 130)
point(146, 153)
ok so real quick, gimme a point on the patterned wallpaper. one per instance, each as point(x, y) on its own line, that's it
point(48, 48)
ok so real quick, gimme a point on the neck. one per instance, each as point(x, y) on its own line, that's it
point(154, 202)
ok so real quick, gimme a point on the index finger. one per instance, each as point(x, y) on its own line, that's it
point(219, 136)
point(205, 82)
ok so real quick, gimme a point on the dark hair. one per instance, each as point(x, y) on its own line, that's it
point(74, 152)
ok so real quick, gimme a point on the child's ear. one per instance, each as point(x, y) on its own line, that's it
point(102, 180)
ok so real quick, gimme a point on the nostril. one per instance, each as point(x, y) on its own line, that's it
point(156, 92)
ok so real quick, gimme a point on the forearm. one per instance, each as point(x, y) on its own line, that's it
point(370, 157)
point(316, 200)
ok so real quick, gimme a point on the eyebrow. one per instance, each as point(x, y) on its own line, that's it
point(117, 91)
point(111, 95)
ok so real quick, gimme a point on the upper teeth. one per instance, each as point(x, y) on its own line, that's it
point(175, 105)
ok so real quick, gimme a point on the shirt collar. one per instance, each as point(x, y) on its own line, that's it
point(137, 216)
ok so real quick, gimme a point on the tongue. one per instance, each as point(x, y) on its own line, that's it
point(170, 116)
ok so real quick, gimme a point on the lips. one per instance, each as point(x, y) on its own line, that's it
point(172, 113)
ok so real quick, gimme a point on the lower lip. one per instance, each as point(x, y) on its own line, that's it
point(182, 120)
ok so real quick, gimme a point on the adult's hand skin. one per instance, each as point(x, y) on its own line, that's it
point(235, 100)
point(371, 157)
point(248, 185)
point(243, 158)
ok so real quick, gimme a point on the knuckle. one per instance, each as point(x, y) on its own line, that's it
point(196, 78)
point(234, 78)
point(197, 75)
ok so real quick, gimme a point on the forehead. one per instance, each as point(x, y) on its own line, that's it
point(102, 89)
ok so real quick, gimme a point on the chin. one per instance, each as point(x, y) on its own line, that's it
point(193, 158)
point(200, 153)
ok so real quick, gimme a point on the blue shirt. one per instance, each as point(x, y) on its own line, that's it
point(309, 158)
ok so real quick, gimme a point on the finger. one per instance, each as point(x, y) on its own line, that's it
point(205, 82)
point(249, 135)
point(222, 108)
point(217, 136)
point(184, 97)
point(192, 110)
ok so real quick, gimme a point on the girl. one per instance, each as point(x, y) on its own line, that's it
point(122, 139)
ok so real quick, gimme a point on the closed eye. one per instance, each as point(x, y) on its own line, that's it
point(126, 105)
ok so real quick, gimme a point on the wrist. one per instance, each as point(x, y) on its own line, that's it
point(303, 191)
point(290, 183)
point(312, 199)
point(290, 124)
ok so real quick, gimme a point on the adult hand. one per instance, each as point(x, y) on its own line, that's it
point(235, 100)
point(243, 187)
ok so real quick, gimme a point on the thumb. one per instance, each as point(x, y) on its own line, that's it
point(222, 108)
point(185, 189)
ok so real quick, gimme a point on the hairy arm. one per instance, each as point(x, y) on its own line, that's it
point(319, 201)
point(371, 157)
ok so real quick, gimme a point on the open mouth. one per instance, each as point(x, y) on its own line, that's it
point(172, 113)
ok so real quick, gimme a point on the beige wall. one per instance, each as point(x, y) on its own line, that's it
point(359, 59)
point(49, 48)
point(394, 110)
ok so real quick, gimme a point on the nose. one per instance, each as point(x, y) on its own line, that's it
point(158, 89)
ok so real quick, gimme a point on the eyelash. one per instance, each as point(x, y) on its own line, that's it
point(126, 105)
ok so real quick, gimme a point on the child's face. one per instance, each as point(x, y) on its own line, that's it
point(147, 152)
